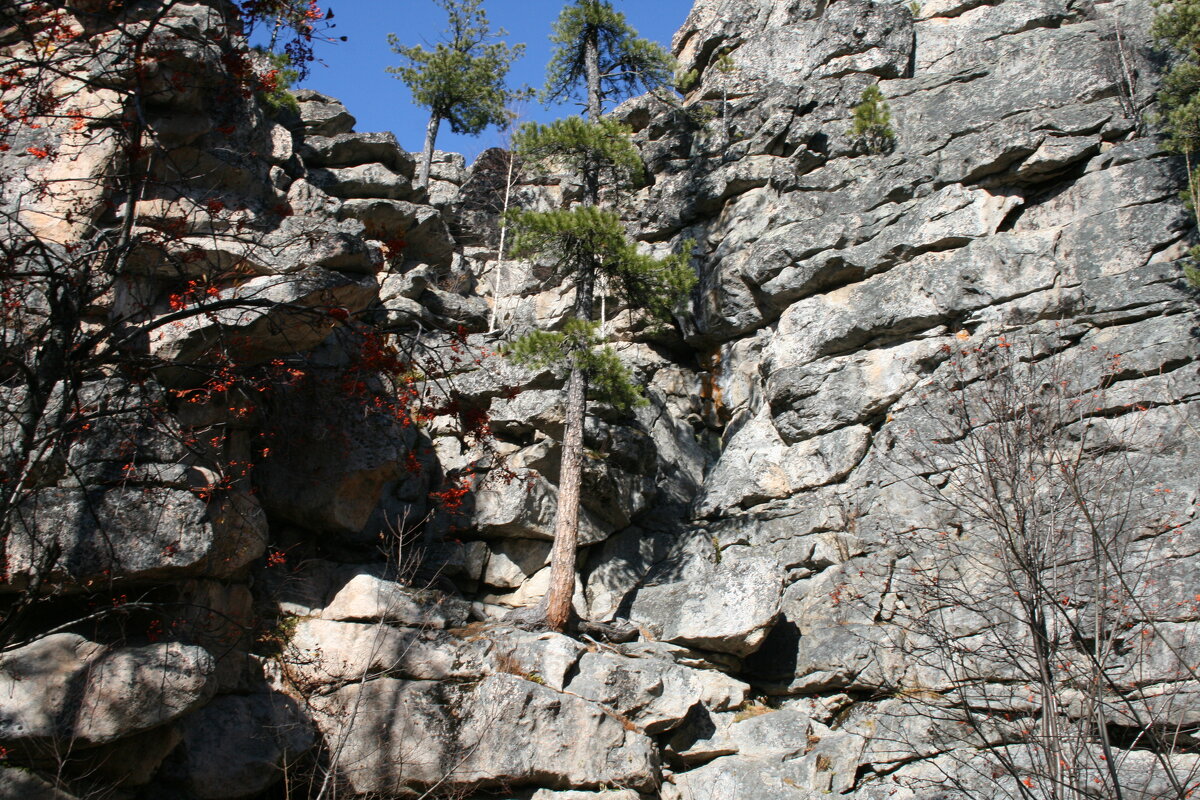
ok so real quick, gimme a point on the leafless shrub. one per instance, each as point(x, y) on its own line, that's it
point(1046, 606)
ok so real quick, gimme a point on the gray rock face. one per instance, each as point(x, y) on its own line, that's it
point(236, 746)
point(420, 228)
point(524, 509)
point(656, 696)
point(727, 606)
point(618, 794)
point(454, 736)
point(81, 537)
point(303, 242)
point(353, 149)
point(136, 481)
point(325, 653)
point(337, 480)
point(773, 43)
point(511, 562)
point(323, 115)
point(64, 688)
point(280, 314)
point(839, 286)
point(368, 598)
point(364, 181)
point(19, 783)
point(768, 521)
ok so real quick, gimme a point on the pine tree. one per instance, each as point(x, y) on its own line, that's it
point(462, 79)
point(725, 65)
point(599, 52)
point(1178, 26)
point(600, 57)
point(873, 122)
point(585, 244)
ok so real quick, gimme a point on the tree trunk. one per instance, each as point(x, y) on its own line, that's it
point(591, 45)
point(431, 132)
point(498, 283)
point(566, 518)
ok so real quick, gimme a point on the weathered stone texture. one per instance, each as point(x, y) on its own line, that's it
point(764, 522)
point(462, 736)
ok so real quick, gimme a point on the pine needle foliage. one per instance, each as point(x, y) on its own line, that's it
point(277, 95)
point(1177, 25)
point(872, 126)
point(579, 346)
point(587, 237)
point(462, 79)
point(628, 63)
point(657, 285)
point(602, 148)
point(598, 56)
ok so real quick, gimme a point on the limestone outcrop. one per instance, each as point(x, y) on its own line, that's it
point(280, 536)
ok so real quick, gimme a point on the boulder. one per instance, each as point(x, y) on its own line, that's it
point(757, 466)
point(74, 178)
point(369, 598)
point(513, 561)
point(270, 316)
point(323, 115)
point(728, 606)
point(827, 638)
point(448, 167)
point(529, 411)
point(129, 763)
point(654, 694)
point(82, 536)
point(64, 688)
point(354, 149)
point(617, 567)
point(408, 736)
point(22, 784)
point(524, 509)
point(531, 592)
point(546, 658)
point(421, 228)
point(322, 652)
point(447, 174)
point(358, 593)
point(455, 309)
point(823, 770)
point(237, 746)
point(754, 732)
point(366, 181)
point(304, 242)
point(335, 478)
point(129, 438)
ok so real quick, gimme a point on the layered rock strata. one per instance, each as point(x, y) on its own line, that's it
point(764, 521)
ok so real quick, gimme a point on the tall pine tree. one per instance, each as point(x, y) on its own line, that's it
point(461, 80)
point(599, 57)
point(1177, 25)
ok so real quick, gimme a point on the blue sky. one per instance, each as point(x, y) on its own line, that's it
point(353, 71)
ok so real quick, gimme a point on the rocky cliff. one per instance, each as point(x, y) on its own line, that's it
point(818, 523)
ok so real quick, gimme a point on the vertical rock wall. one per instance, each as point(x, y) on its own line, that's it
point(1027, 204)
point(761, 521)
